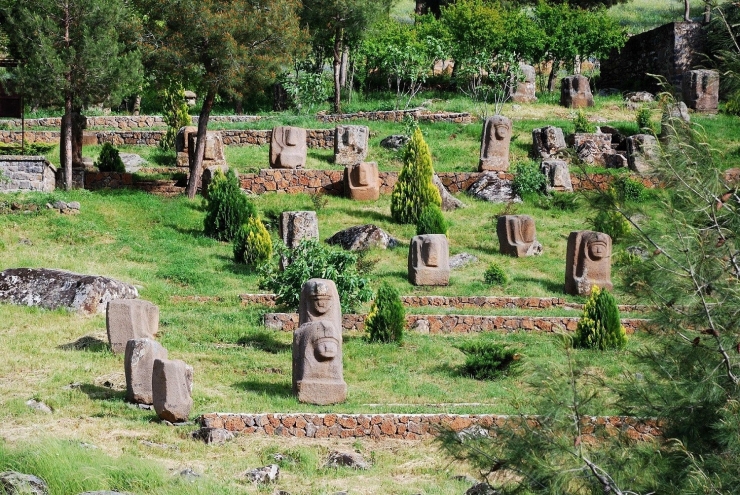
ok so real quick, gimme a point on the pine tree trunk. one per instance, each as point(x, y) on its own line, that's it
point(137, 105)
point(337, 72)
point(66, 144)
point(196, 166)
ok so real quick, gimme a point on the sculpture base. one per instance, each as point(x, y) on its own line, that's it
point(321, 392)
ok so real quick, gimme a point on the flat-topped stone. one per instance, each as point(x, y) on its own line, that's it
point(128, 319)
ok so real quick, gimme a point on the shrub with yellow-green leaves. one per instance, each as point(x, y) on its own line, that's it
point(414, 190)
point(600, 326)
point(252, 244)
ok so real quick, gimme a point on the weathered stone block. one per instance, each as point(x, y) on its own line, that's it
point(128, 319)
point(494, 149)
point(547, 141)
point(138, 364)
point(288, 147)
point(350, 144)
point(587, 262)
point(296, 226)
point(642, 150)
point(517, 236)
point(558, 175)
point(429, 260)
point(701, 90)
point(362, 182)
point(575, 92)
point(523, 91)
point(172, 389)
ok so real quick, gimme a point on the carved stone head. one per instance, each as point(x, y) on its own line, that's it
point(494, 151)
point(588, 262)
point(429, 260)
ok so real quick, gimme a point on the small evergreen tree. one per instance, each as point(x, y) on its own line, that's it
point(109, 160)
point(414, 189)
point(386, 320)
point(227, 207)
point(174, 113)
point(431, 221)
point(252, 244)
point(600, 326)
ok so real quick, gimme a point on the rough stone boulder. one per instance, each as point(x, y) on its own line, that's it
point(52, 289)
point(490, 187)
point(394, 142)
point(13, 483)
point(363, 237)
point(346, 459)
point(449, 202)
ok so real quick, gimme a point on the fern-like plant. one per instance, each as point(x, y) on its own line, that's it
point(252, 244)
point(600, 326)
point(414, 190)
point(386, 320)
point(227, 207)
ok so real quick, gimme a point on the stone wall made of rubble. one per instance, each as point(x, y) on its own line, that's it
point(668, 51)
point(399, 116)
point(445, 324)
point(412, 426)
point(125, 122)
point(27, 173)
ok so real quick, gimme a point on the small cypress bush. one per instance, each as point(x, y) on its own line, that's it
point(642, 117)
point(386, 320)
point(227, 207)
point(495, 275)
point(486, 360)
point(414, 189)
point(431, 221)
point(600, 326)
point(252, 244)
point(528, 180)
point(109, 160)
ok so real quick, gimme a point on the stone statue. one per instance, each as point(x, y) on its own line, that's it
point(429, 260)
point(362, 182)
point(517, 236)
point(524, 91)
point(350, 144)
point(701, 90)
point(587, 262)
point(288, 147)
point(317, 345)
point(575, 92)
point(494, 147)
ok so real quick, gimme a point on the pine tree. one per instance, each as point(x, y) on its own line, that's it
point(387, 318)
point(414, 189)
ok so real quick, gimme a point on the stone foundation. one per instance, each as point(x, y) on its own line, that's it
point(447, 324)
point(412, 426)
point(27, 173)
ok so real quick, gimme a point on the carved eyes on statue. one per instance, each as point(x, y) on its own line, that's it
point(597, 249)
point(502, 130)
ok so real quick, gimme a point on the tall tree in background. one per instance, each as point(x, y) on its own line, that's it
point(73, 54)
point(215, 46)
point(336, 26)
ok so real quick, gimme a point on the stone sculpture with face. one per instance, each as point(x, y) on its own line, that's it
point(517, 236)
point(588, 262)
point(494, 151)
point(288, 147)
point(429, 262)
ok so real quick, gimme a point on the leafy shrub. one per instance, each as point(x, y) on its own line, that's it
point(174, 113)
point(227, 207)
point(642, 117)
point(528, 180)
point(582, 124)
point(109, 160)
point(319, 200)
point(306, 89)
point(252, 244)
point(600, 326)
point(630, 190)
point(733, 104)
point(29, 149)
point(414, 189)
point(387, 318)
point(495, 275)
point(612, 223)
point(486, 360)
point(431, 221)
point(313, 260)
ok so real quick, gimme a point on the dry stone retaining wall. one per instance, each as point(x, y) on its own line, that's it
point(126, 121)
point(399, 116)
point(445, 324)
point(27, 173)
point(411, 426)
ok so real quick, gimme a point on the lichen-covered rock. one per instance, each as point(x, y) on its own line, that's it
point(52, 289)
point(363, 237)
point(490, 187)
point(449, 202)
point(14, 483)
point(346, 459)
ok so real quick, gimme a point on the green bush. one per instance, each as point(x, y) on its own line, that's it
point(485, 360)
point(495, 275)
point(414, 189)
point(629, 189)
point(313, 260)
point(733, 104)
point(642, 117)
point(174, 113)
point(431, 221)
point(582, 124)
point(109, 160)
point(600, 326)
point(227, 207)
point(528, 180)
point(386, 320)
point(252, 244)
point(612, 223)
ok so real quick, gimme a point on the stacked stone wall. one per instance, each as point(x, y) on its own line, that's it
point(27, 173)
point(125, 122)
point(399, 116)
point(414, 426)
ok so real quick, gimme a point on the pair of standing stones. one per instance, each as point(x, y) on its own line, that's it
point(151, 378)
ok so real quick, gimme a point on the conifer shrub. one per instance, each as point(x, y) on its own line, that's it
point(431, 221)
point(528, 179)
point(485, 360)
point(109, 160)
point(644, 122)
point(386, 320)
point(600, 326)
point(252, 244)
point(495, 275)
point(227, 207)
point(414, 189)
point(174, 113)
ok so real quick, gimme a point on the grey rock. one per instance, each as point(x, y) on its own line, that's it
point(363, 237)
point(482, 489)
point(642, 150)
point(38, 406)
point(266, 474)
point(449, 202)
point(189, 475)
point(489, 187)
point(462, 259)
point(472, 432)
point(639, 251)
point(394, 142)
point(213, 435)
point(346, 459)
point(547, 141)
point(73, 205)
point(52, 289)
point(558, 175)
point(132, 161)
point(465, 478)
point(420, 326)
point(14, 483)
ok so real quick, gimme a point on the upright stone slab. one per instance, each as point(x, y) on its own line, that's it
point(523, 91)
point(429, 260)
point(517, 236)
point(701, 90)
point(214, 150)
point(317, 345)
point(182, 141)
point(494, 148)
point(547, 141)
point(592, 148)
point(558, 175)
point(128, 319)
point(288, 147)
point(675, 119)
point(350, 144)
point(298, 225)
point(575, 92)
point(587, 262)
point(138, 363)
point(642, 149)
point(172, 390)
point(362, 181)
